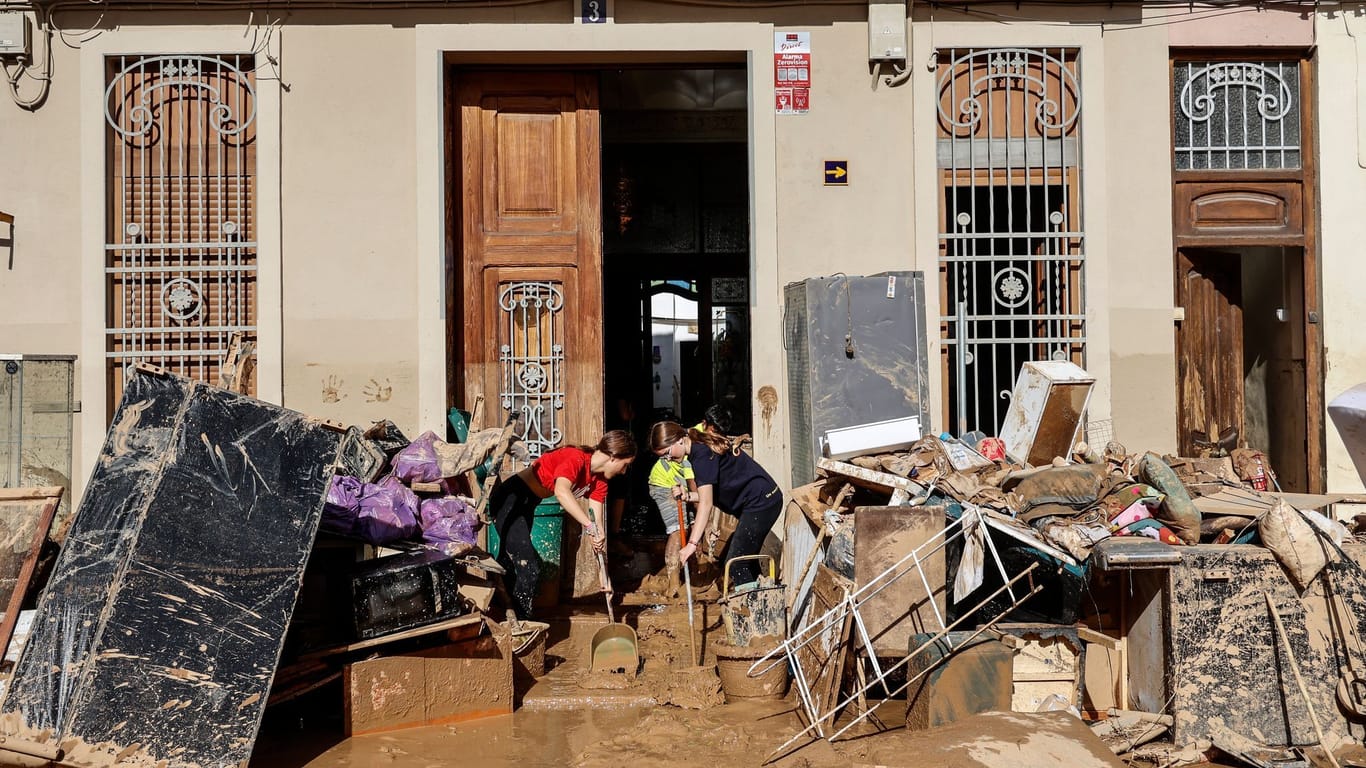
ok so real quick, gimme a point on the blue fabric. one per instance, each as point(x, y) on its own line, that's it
point(738, 482)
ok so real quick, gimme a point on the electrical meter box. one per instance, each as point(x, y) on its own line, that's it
point(14, 34)
point(36, 402)
point(887, 31)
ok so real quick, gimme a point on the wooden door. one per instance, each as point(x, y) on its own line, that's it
point(1209, 344)
point(530, 253)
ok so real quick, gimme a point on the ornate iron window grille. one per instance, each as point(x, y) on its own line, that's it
point(531, 359)
point(1234, 115)
point(1012, 261)
point(180, 249)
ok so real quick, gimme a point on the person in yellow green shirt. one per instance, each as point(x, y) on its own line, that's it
point(668, 481)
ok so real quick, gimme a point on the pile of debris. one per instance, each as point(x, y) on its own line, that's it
point(1153, 596)
point(195, 565)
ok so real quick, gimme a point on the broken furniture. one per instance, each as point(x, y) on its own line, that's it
point(180, 572)
point(904, 607)
point(856, 355)
point(959, 674)
point(968, 529)
point(1047, 411)
point(25, 517)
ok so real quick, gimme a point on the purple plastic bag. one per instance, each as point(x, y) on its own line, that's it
point(343, 504)
point(448, 520)
point(417, 462)
point(388, 512)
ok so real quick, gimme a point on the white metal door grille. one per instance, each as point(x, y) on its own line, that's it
point(531, 359)
point(180, 248)
point(1235, 115)
point(1012, 248)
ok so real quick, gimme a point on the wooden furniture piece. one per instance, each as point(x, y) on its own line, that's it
point(172, 593)
point(25, 517)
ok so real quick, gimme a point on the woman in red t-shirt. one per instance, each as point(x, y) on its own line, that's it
point(570, 474)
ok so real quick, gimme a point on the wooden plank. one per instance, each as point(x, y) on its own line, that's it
point(24, 494)
point(198, 546)
point(823, 659)
point(459, 622)
point(883, 536)
point(22, 520)
point(881, 481)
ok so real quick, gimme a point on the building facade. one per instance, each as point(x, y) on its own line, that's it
point(409, 207)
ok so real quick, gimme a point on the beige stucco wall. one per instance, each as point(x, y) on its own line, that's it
point(1139, 210)
point(1342, 228)
point(348, 213)
point(40, 285)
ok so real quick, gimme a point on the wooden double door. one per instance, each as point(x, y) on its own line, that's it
point(525, 264)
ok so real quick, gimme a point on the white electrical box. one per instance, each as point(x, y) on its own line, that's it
point(887, 31)
point(14, 34)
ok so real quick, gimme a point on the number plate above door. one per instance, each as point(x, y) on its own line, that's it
point(594, 11)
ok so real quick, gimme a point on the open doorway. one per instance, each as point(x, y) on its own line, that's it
point(1241, 349)
point(676, 254)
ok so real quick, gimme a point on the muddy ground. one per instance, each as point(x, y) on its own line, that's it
point(570, 717)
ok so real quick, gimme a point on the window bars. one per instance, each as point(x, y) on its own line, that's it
point(531, 359)
point(180, 248)
point(1236, 115)
point(1012, 260)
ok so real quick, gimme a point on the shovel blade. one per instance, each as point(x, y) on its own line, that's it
point(615, 650)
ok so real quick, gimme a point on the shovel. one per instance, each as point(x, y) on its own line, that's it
point(613, 649)
point(687, 576)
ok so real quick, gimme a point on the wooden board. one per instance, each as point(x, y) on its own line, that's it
point(883, 536)
point(823, 659)
point(25, 517)
point(871, 478)
point(172, 595)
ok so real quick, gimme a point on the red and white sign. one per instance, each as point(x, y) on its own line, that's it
point(792, 72)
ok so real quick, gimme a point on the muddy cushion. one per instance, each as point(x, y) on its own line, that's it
point(1178, 512)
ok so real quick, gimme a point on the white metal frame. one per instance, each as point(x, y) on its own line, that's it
point(973, 522)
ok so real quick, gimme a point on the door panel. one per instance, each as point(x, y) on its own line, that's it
point(1209, 345)
point(530, 250)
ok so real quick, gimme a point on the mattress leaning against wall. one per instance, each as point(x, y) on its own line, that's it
point(160, 629)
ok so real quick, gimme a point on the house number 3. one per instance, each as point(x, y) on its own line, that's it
point(592, 11)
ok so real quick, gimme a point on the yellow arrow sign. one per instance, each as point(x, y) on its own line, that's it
point(838, 172)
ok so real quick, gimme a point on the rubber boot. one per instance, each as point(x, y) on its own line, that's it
point(672, 576)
